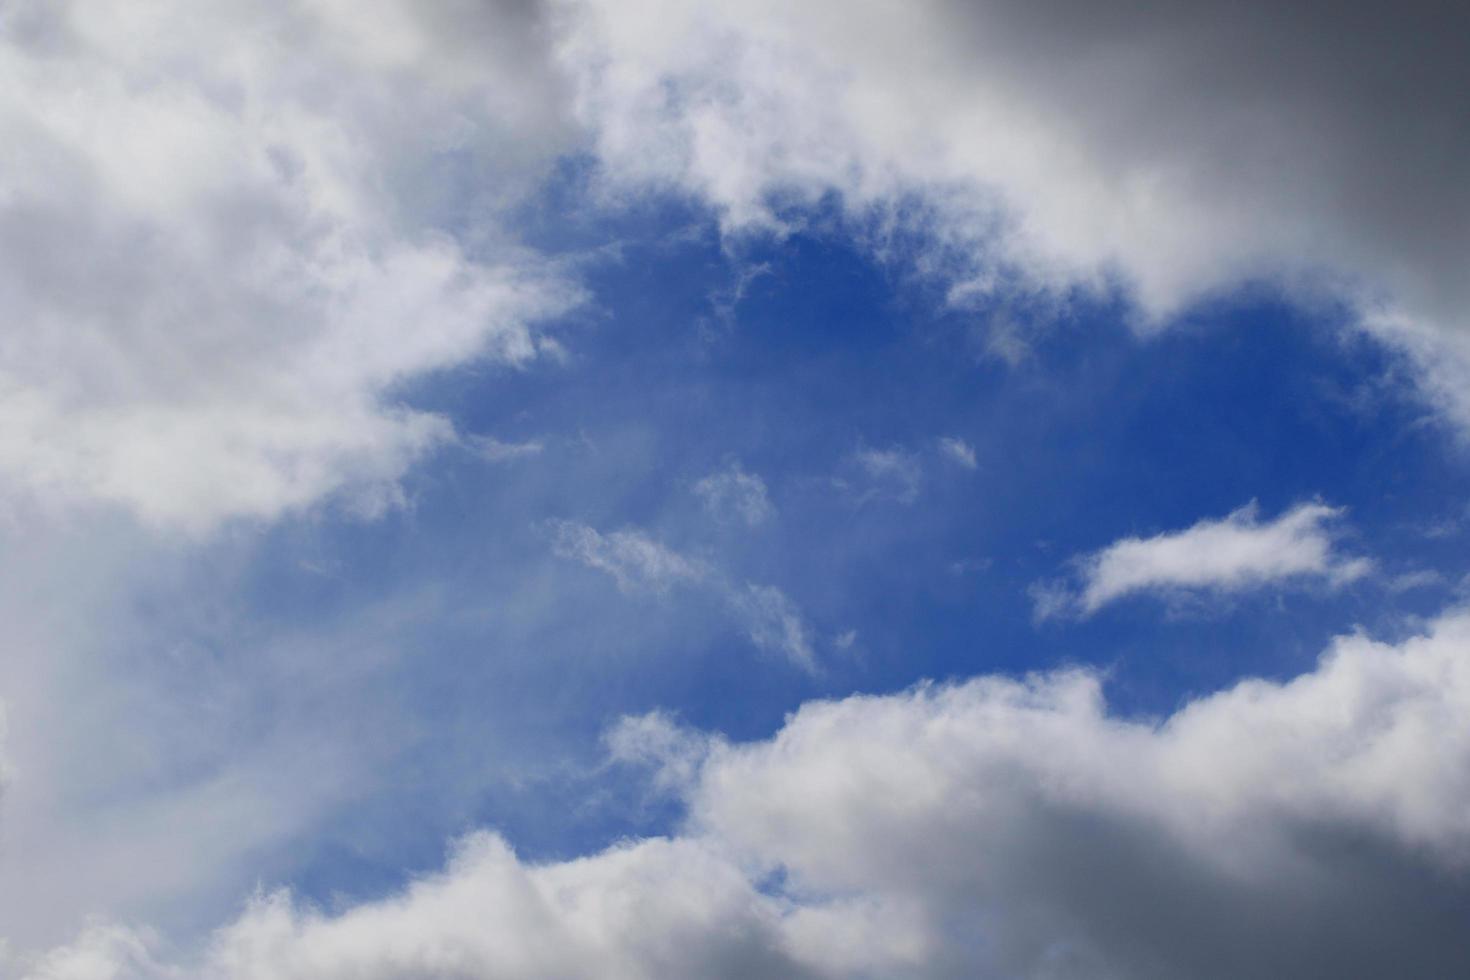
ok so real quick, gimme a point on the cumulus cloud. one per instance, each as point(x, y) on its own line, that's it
point(1236, 553)
point(1177, 149)
point(230, 237)
point(734, 491)
point(226, 238)
point(995, 827)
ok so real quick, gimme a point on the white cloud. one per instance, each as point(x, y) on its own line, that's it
point(1180, 150)
point(732, 490)
point(223, 244)
point(227, 239)
point(995, 827)
point(103, 952)
point(893, 474)
point(1233, 554)
point(958, 451)
point(640, 564)
point(495, 450)
point(672, 751)
point(634, 560)
point(773, 623)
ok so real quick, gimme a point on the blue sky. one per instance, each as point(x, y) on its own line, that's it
point(539, 490)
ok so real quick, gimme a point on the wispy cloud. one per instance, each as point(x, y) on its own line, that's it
point(656, 740)
point(497, 451)
point(1233, 554)
point(734, 492)
point(638, 563)
point(887, 474)
point(773, 623)
point(959, 451)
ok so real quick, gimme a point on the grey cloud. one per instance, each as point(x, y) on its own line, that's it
point(1177, 149)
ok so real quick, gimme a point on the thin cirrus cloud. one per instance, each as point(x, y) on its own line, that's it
point(990, 827)
point(734, 492)
point(635, 561)
point(494, 450)
point(639, 563)
point(1236, 553)
point(958, 451)
point(893, 474)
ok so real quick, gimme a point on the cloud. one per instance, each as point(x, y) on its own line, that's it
point(103, 952)
point(655, 740)
point(958, 451)
point(495, 450)
point(888, 474)
point(1236, 553)
point(995, 827)
point(227, 238)
point(228, 253)
point(773, 623)
point(1177, 150)
point(635, 561)
point(640, 564)
point(734, 491)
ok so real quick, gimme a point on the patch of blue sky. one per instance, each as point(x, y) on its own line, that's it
point(500, 663)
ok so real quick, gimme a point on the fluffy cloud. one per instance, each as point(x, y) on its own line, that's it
point(1178, 149)
point(1234, 554)
point(226, 236)
point(995, 827)
point(231, 236)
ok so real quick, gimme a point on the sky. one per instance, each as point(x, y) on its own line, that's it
point(558, 488)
